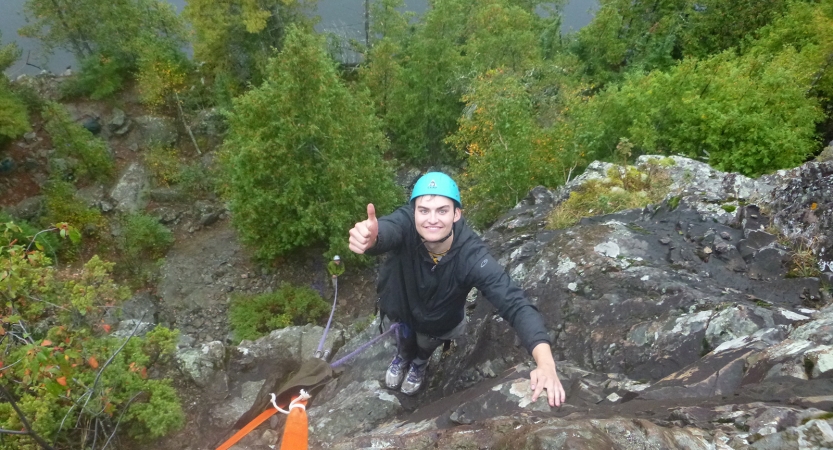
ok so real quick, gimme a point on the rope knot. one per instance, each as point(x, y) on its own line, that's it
point(295, 403)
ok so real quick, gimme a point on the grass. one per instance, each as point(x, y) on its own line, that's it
point(803, 261)
point(624, 188)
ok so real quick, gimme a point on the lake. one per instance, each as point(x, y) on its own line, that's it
point(344, 17)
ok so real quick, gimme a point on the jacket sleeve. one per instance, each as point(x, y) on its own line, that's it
point(393, 229)
point(492, 280)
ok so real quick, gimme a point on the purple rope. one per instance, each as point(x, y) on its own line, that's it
point(366, 345)
point(330, 320)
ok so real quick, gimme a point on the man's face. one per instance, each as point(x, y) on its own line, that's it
point(434, 216)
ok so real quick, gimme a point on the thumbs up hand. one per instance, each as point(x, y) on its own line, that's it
point(363, 234)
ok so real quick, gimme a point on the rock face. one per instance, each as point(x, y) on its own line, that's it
point(151, 130)
point(130, 193)
point(675, 326)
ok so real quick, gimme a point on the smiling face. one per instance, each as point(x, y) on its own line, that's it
point(434, 215)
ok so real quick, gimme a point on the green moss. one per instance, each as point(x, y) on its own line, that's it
point(809, 365)
point(637, 229)
point(706, 347)
point(824, 416)
point(624, 188)
point(728, 208)
point(674, 202)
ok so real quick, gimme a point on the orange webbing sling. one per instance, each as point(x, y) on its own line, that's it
point(296, 431)
point(312, 376)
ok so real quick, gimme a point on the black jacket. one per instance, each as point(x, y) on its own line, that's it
point(431, 298)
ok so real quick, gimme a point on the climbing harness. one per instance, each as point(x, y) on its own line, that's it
point(296, 431)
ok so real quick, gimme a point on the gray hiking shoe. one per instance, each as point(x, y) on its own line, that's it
point(416, 376)
point(396, 372)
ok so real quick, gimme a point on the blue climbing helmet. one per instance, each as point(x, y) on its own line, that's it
point(437, 183)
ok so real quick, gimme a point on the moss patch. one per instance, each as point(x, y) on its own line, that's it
point(624, 188)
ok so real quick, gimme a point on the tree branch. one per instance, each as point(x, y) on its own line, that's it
point(109, 360)
point(23, 420)
point(120, 417)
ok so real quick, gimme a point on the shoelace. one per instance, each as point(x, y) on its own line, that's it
point(416, 373)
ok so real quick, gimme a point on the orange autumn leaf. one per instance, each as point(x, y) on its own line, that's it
point(93, 362)
point(46, 343)
point(106, 328)
point(144, 373)
point(62, 381)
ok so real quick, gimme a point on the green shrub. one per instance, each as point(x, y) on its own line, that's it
point(164, 163)
point(57, 347)
point(45, 242)
point(14, 118)
point(72, 140)
point(101, 76)
point(624, 188)
point(196, 179)
point(144, 237)
point(507, 152)
point(63, 206)
point(719, 109)
point(251, 317)
point(717, 25)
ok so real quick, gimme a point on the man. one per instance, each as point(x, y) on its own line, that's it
point(435, 260)
point(335, 268)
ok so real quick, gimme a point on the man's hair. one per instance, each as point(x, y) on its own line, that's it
point(430, 196)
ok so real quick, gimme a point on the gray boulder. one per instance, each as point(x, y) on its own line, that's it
point(154, 131)
point(130, 193)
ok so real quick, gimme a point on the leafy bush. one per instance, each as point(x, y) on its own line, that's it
point(63, 206)
point(624, 188)
point(101, 76)
point(72, 140)
point(718, 108)
point(164, 163)
point(63, 367)
point(109, 39)
point(804, 27)
point(14, 120)
point(144, 237)
point(161, 74)
point(507, 152)
point(251, 317)
point(196, 179)
point(303, 156)
point(27, 233)
point(716, 25)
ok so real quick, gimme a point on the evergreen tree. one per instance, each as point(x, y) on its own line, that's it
point(303, 156)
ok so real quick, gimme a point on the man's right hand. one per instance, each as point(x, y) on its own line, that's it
point(363, 235)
